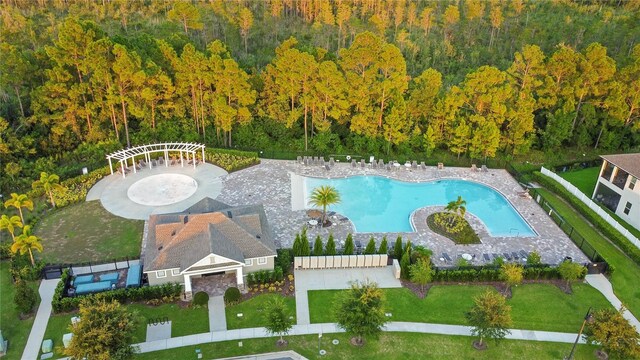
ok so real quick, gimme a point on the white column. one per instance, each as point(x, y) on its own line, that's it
point(133, 162)
point(181, 160)
point(203, 155)
point(193, 158)
point(239, 277)
point(148, 159)
point(122, 169)
point(110, 166)
point(187, 283)
point(166, 157)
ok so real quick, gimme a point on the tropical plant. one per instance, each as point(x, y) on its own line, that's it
point(10, 224)
point(490, 317)
point(360, 311)
point(324, 196)
point(48, 183)
point(457, 206)
point(19, 202)
point(27, 242)
point(278, 319)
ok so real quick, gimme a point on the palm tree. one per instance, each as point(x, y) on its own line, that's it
point(27, 242)
point(457, 207)
point(48, 182)
point(324, 196)
point(19, 201)
point(10, 224)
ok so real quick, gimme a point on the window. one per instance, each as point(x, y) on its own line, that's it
point(175, 272)
point(632, 183)
point(262, 261)
point(627, 208)
point(248, 262)
point(161, 274)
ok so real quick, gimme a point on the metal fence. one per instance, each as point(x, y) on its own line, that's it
point(592, 205)
point(54, 271)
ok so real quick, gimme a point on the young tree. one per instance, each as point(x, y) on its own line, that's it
point(105, 331)
point(10, 224)
point(512, 274)
point(297, 246)
point(317, 247)
point(25, 297)
point(48, 183)
point(19, 202)
point(26, 242)
point(398, 248)
point(186, 14)
point(277, 317)
point(384, 248)
point(371, 247)
point(490, 317)
point(348, 245)
point(330, 249)
point(405, 265)
point(360, 311)
point(324, 196)
point(245, 22)
point(421, 272)
point(304, 243)
point(614, 333)
point(571, 271)
point(533, 258)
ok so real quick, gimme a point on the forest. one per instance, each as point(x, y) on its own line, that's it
point(477, 79)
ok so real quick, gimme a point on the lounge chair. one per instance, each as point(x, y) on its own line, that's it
point(423, 166)
point(389, 166)
point(353, 162)
point(474, 168)
point(495, 256)
point(154, 163)
point(327, 167)
point(299, 159)
point(515, 255)
point(414, 164)
point(524, 254)
point(381, 163)
point(332, 161)
point(486, 257)
point(484, 168)
point(362, 163)
point(446, 257)
point(507, 256)
point(440, 166)
point(373, 164)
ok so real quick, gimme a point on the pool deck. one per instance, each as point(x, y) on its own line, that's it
point(278, 185)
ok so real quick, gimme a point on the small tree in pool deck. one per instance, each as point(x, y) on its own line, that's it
point(278, 320)
point(371, 247)
point(490, 317)
point(324, 196)
point(318, 247)
point(360, 311)
point(384, 248)
point(398, 250)
point(348, 245)
point(330, 249)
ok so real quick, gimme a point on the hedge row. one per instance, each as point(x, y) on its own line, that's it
point(492, 273)
point(265, 276)
point(74, 189)
point(168, 292)
point(596, 220)
point(231, 160)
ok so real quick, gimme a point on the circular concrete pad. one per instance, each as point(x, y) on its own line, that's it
point(162, 189)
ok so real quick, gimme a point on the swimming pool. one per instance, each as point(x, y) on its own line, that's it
point(378, 204)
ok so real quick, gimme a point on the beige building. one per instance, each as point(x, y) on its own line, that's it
point(618, 187)
point(206, 239)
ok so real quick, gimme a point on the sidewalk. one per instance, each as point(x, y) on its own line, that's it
point(46, 290)
point(602, 284)
point(217, 315)
point(332, 328)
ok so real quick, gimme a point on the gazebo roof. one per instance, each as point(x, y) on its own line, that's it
point(143, 149)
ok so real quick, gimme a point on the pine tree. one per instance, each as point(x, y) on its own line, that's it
point(317, 247)
point(331, 246)
point(383, 249)
point(371, 247)
point(348, 245)
point(398, 249)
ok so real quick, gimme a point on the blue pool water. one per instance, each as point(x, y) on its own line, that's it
point(378, 204)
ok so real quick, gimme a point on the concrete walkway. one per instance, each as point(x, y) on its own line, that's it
point(280, 355)
point(602, 284)
point(331, 328)
point(217, 315)
point(46, 290)
point(336, 279)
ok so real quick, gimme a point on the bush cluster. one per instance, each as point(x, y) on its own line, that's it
point(493, 273)
point(155, 294)
point(596, 220)
point(265, 276)
point(231, 160)
point(232, 296)
point(21, 268)
point(201, 298)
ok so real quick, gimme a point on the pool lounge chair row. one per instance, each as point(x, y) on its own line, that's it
point(316, 161)
point(490, 257)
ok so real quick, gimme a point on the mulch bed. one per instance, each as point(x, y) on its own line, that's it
point(499, 286)
point(284, 292)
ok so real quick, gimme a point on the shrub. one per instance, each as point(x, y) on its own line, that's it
point(201, 298)
point(397, 248)
point(284, 259)
point(5, 252)
point(232, 296)
point(384, 248)
point(348, 245)
point(25, 298)
point(231, 160)
point(533, 258)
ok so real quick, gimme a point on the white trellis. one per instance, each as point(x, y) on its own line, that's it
point(187, 150)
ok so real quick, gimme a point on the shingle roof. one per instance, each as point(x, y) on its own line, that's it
point(627, 162)
point(182, 239)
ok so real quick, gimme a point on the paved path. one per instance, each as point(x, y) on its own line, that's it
point(46, 290)
point(281, 355)
point(335, 279)
point(602, 284)
point(331, 328)
point(217, 316)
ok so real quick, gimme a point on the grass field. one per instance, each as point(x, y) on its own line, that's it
point(87, 232)
point(392, 346)
point(14, 330)
point(534, 306)
point(252, 311)
point(626, 271)
point(585, 179)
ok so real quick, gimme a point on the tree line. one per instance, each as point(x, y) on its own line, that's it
point(83, 81)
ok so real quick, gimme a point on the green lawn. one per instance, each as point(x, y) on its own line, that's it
point(87, 232)
point(399, 346)
point(184, 321)
point(626, 272)
point(534, 306)
point(584, 179)
point(14, 330)
point(252, 311)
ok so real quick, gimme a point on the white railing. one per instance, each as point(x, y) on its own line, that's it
point(339, 261)
point(592, 205)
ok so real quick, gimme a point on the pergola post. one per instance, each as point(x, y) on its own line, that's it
point(193, 157)
point(166, 156)
point(181, 159)
point(110, 165)
point(122, 169)
point(133, 162)
point(203, 154)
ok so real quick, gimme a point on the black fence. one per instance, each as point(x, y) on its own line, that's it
point(54, 271)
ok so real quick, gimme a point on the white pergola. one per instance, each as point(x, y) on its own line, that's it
point(124, 155)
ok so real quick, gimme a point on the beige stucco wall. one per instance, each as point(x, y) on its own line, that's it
point(154, 280)
point(255, 267)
